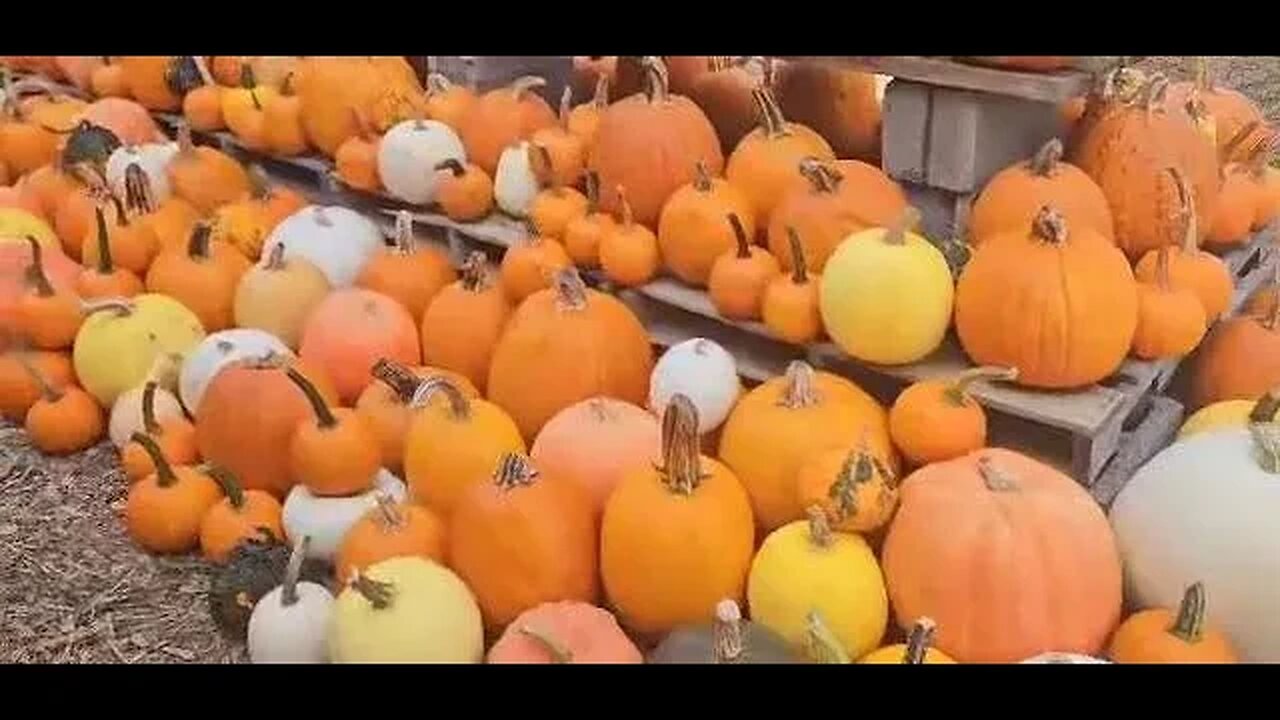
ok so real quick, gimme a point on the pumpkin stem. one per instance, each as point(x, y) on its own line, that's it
point(592, 181)
point(897, 232)
point(453, 166)
point(800, 391)
point(740, 234)
point(701, 177)
point(822, 645)
point(566, 104)
point(919, 640)
point(36, 277)
point(203, 68)
point(1187, 203)
point(560, 654)
point(1162, 268)
point(1049, 226)
point(324, 416)
point(198, 243)
point(658, 82)
point(275, 259)
point(437, 84)
point(247, 82)
point(105, 264)
point(822, 178)
point(474, 272)
point(627, 218)
point(149, 422)
point(403, 234)
point(289, 590)
point(957, 393)
point(600, 410)
point(397, 377)
point(819, 528)
point(995, 478)
point(1157, 87)
point(47, 390)
point(122, 217)
point(1045, 162)
point(514, 470)
point(379, 594)
point(458, 403)
point(230, 487)
point(772, 122)
point(799, 272)
point(601, 99)
point(540, 162)
point(681, 468)
point(526, 84)
point(120, 306)
point(1264, 411)
point(1266, 440)
point(388, 510)
point(571, 292)
point(1232, 148)
point(1189, 624)
point(185, 144)
point(137, 190)
point(165, 477)
point(726, 634)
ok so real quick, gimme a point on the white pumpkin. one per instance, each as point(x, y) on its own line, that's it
point(1206, 509)
point(704, 372)
point(326, 520)
point(408, 155)
point(217, 351)
point(126, 411)
point(152, 158)
point(515, 184)
point(290, 624)
point(335, 239)
point(1063, 658)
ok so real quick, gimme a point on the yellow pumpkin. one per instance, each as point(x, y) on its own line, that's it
point(805, 572)
point(406, 610)
point(917, 650)
point(886, 294)
point(1229, 414)
point(120, 341)
point(16, 225)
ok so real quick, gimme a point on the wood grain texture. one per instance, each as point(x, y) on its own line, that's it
point(1043, 87)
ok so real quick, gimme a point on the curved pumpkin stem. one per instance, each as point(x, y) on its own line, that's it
point(1264, 411)
point(995, 478)
point(799, 272)
point(592, 182)
point(821, 644)
point(35, 275)
point(106, 265)
point(897, 233)
point(389, 510)
point(47, 390)
point(475, 273)
point(230, 486)
point(726, 634)
point(149, 422)
point(514, 470)
point(454, 167)
point(740, 234)
point(526, 84)
point(560, 654)
point(1045, 162)
point(627, 218)
point(289, 590)
point(772, 122)
point(681, 468)
point(919, 640)
point(566, 105)
point(957, 393)
point(571, 292)
point(119, 306)
point(800, 391)
point(165, 477)
point(601, 99)
point(821, 178)
point(458, 403)
point(379, 594)
point(701, 177)
point(397, 377)
point(1187, 203)
point(658, 81)
point(1188, 626)
point(324, 416)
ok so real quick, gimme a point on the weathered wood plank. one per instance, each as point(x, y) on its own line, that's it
point(904, 137)
point(1043, 87)
point(691, 299)
point(1137, 446)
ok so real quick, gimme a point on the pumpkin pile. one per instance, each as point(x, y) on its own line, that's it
point(392, 459)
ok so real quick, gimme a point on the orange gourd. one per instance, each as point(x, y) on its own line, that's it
point(205, 177)
point(387, 405)
point(1189, 267)
point(564, 632)
point(1012, 308)
point(557, 204)
point(565, 151)
point(462, 324)
point(1171, 321)
point(350, 330)
point(203, 276)
point(63, 420)
point(335, 454)
point(390, 530)
point(465, 192)
point(239, 516)
point(282, 115)
point(104, 279)
point(676, 538)
point(854, 490)
point(582, 234)
point(529, 263)
point(48, 317)
point(356, 159)
point(1240, 360)
point(147, 78)
point(629, 252)
point(584, 119)
point(19, 389)
point(1161, 636)
point(163, 511)
point(175, 438)
point(502, 117)
point(595, 443)
point(565, 326)
point(764, 164)
point(937, 420)
point(651, 144)
point(739, 277)
point(789, 307)
point(691, 230)
point(447, 102)
point(409, 272)
point(779, 426)
point(1011, 558)
point(522, 539)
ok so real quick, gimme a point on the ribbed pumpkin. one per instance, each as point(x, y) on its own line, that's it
point(564, 632)
point(350, 330)
point(840, 104)
point(1012, 306)
point(675, 538)
point(462, 325)
point(409, 272)
point(780, 425)
point(763, 166)
point(1127, 151)
point(1009, 556)
point(387, 404)
point(1163, 636)
point(523, 538)
point(566, 326)
point(504, 116)
point(1171, 321)
point(203, 276)
point(691, 230)
point(332, 90)
point(1240, 360)
point(651, 144)
point(739, 277)
point(1010, 200)
point(936, 420)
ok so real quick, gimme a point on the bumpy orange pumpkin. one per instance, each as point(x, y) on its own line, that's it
point(503, 117)
point(936, 420)
point(408, 272)
point(857, 492)
point(692, 232)
point(462, 325)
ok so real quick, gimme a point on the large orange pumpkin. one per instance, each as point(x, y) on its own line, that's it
point(462, 325)
point(350, 330)
point(651, 144)
point(1011, 558)
point(1059, 304)
point(566, 344)
point(383, 91)
point(840, 104)
point(503, 117)
point(1240, 360)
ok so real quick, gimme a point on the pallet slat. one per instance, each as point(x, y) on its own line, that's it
point(1052, 87)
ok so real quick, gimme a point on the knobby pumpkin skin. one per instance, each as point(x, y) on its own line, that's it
point(778, 426)
point(462, 325)
point(386, 405)
point(564, 632)
point(1161, 636)
point(1011, 199)
point(790, 304)
point(917, 650)
point(1239, 360)
point(1171, 321)
point(568, 326)
point(522, 539)
point(857, 492)
point(334, 454)
point(1010, 557)
point(582, 235)
point(163, 511)
point(504, 116)
point(241, 515)
point(350, 330)
point(937, 420)
point(740, 276)
point(390, 530)
point(675, 538)
point(1050, 301)
point(691, 230)
point(409, 273)
point(629, 252)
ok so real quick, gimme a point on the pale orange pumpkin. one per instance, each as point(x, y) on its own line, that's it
point(409, 272)
point(350, 330)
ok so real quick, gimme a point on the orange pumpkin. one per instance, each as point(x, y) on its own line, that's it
point(133, 244)
point(564, 632)
point(584, 119)
point(629, 252)
point(19, 389)
point(237, 517)
point(582, 234)
point(502, 117)
point(692, 232)
point(1161, 636)
point(1189, 267)
point(282, 115)
point(390, 530)
point(1230, 109)
point(175, 438)
point(15, 260)
point(724, 93)
point(206, 177)
point(1011, 558)
point(246, 223)
point(856, 492)
point(104, 279)
point(1239, 194)
point(409, 272)
point(557, 205)
point(566, 326)
point(73, 218)
point(147, 79)
point(566, 153)
point(203, 276)
point(461, 326)
point(202, 108)
point(739, 277)
point(108, 80)
point(676, 538)
point(163, 512)
point(937, 420)
point(62, 420)
point(1239, 360)
point(789, 307)
point(48, 317)
point(529, 263)
point(387, 405)
point(595, 443)
point(525, 538)
point(447, 102)
point(840, 104)
point(1171, 321)
point(465, 193)
point(335, 453)
point(48, 186)
point(356, 159)
point(334, 90)
point(244, 110)
point(651, 144)
point(350, 330)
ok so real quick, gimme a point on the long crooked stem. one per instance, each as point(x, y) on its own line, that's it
point(106, 265)
point(149, 422)
point(230, 486)
point(47, 390)
point(399, 378)
point(740, 235)
point(957, 392)
point(165, 476)
point(459, 406)
point(324, 416)
point(35, 274)
point(799, 272)
point(681, 469)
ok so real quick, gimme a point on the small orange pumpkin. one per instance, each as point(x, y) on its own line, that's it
point(356, 159)
point(203, 276)
point(133, 244)
point(465, 193)
point(529, 263)
point(163, 511)
point(202, 107)
point(175, 438)
point(390, 530)
point(936, 420)
point(789, 307)
point(206, 177)
point(739, 277)
point(336, 454)
point(244, 110)
point(629, 252)
point(48, 317)
point(104, 278)
point(1160, 636)
point(63, 420)
point(240, 515)
point(18, 387)
point(461, 326)
point(447, 102)
point(565, 152)
point(583, 234)
point(1171, 321)
point(282, 115)
point(557, 205)
point(584, 119)
point(386, 405)
point(408, 272)
point(692, 233)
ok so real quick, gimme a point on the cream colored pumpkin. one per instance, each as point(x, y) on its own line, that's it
point(152, 158)
point(216, 352)
point(126, 411)
point(702, 371)
point(290, 624)
point(409, 154)
point(515, 184)
point(335, 239)
point(326, 520)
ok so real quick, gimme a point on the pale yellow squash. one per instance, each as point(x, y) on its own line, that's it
point(1230, 414)
point(886, 295)
point(120, 341)
point(16, 225)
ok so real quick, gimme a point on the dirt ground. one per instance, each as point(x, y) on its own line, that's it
point(73, 588)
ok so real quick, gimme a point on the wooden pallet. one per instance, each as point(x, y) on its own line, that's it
point(1053, 87)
